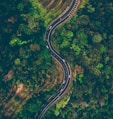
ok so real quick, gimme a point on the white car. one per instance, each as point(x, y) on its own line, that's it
point(61, 90)
point(47, 47)
point(64, 81)
point(50, 27)
point(63, 60)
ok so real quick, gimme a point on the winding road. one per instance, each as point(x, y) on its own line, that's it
point(65, 66)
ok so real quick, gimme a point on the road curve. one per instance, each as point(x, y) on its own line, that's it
point(65, 66)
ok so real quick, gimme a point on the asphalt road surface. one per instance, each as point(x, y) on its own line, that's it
point(66, 69)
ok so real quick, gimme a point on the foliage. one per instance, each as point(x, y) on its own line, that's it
point(97, 38)
point(61, 104)
point(25, 58)
point(17, 61)
point(85, 40)
point(16, 41)
point(90, 47)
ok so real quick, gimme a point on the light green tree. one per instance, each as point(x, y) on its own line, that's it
point(90, 9)
point(76, 48)
point(17, 41)
point(99, 66)
point(97, 38)
point(69, 34)
point(17, 61)
point(65, 44)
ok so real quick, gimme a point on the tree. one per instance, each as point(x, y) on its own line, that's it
point(97, 38)
point(64, 44)
point(99, 66)
point(81, 39)
point(17, 41)
point(69, 34)
point(76, 49)
point(90, 9)
point(83, 20)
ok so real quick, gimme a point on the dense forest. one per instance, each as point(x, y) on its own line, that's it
point(86, 42)
point(29, 75)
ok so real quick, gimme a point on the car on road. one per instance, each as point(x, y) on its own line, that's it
point(50, 27)
point(60, 19)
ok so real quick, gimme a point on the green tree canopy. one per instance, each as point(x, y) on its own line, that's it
point(97, 38)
